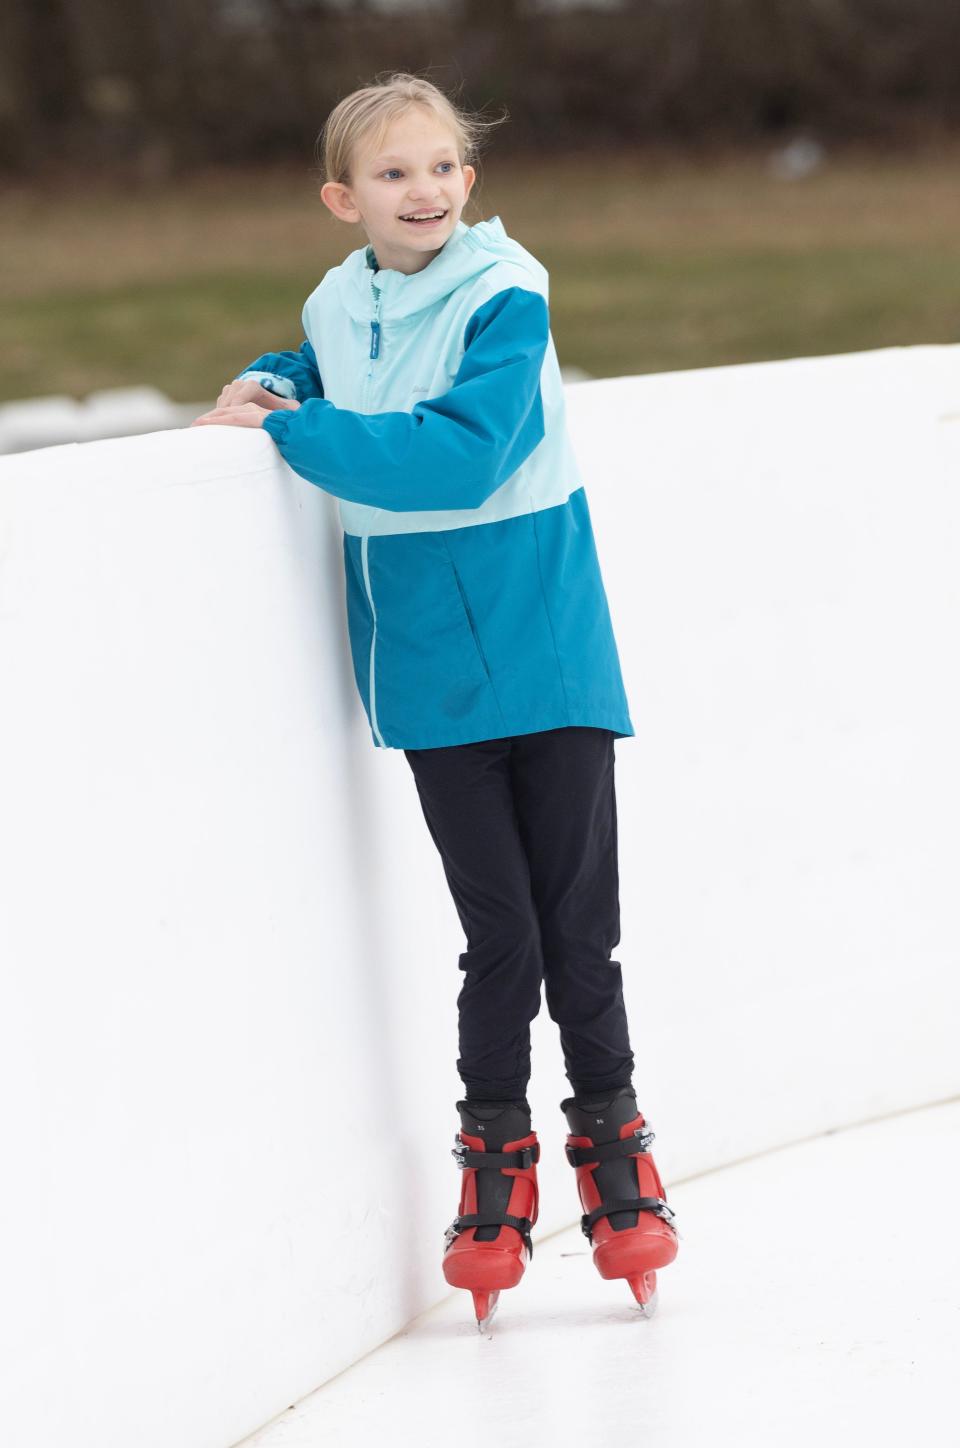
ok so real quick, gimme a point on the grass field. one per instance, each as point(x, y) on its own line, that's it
point(654, 265)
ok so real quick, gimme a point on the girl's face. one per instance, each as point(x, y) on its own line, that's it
point(416, 170)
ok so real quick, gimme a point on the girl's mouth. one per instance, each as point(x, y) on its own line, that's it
point(425, 222)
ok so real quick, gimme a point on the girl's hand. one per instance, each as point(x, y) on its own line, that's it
point(247, 389)
point(243, 414)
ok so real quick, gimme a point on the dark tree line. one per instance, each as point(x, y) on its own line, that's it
point(156, 87)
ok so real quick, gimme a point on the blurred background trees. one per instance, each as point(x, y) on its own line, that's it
point(154, 90)
point(708, 182)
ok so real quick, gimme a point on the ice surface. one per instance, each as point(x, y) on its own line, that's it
point(814, 1297)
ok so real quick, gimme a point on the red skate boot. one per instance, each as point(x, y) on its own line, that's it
point(626, 1218)
point(488, 1243)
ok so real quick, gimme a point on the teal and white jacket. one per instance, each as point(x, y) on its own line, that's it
point(431, 406)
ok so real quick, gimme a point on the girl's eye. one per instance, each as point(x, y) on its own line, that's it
point(397, 169)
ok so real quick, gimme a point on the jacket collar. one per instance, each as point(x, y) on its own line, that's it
point(467, 252)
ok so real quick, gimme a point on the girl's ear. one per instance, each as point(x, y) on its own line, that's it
point(337, 198)
point(469, 176)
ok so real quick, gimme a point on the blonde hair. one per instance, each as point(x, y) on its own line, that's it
point(369, 112)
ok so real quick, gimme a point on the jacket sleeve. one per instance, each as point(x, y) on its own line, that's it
point(294, 375)
point(450, 451)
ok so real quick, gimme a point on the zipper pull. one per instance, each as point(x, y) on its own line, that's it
point(374, 339)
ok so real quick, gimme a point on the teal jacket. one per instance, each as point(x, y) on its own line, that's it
point(432, 407)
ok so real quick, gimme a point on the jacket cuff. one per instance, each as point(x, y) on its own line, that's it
point(272, 382)
point(276, 423)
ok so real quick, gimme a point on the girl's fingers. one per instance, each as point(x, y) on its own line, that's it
point(245, 414)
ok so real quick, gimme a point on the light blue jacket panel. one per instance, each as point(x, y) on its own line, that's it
point(447, 453)
point(432, 407)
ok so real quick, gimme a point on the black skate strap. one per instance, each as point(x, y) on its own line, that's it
point(525, 1156)
point(604, 1151)
point(625, 1204)
point(493, 1219)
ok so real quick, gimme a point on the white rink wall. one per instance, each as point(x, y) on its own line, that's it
point(228, 1009)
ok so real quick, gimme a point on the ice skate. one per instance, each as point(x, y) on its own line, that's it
point(488, 1243)
point(626, 1217)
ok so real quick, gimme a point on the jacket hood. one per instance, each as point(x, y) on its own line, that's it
point(469, 251)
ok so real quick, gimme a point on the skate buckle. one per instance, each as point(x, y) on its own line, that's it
point(647, 1137)
point(670, 1217)
point(667, 1213)
point(459, 1152)
point(452, 1231)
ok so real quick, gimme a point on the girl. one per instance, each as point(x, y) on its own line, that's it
point(427, 398)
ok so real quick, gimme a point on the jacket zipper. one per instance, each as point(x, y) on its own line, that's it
point(365, 537)
point(375, 333)
point(374, 327)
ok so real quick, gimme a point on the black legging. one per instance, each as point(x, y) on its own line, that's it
point(526, 827)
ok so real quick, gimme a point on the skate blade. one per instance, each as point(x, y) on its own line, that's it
point(485, 1306)
point(644, 1288)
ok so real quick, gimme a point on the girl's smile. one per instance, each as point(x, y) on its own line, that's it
point(430, 219)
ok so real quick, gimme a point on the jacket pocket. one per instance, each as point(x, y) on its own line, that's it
point(467, 610)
